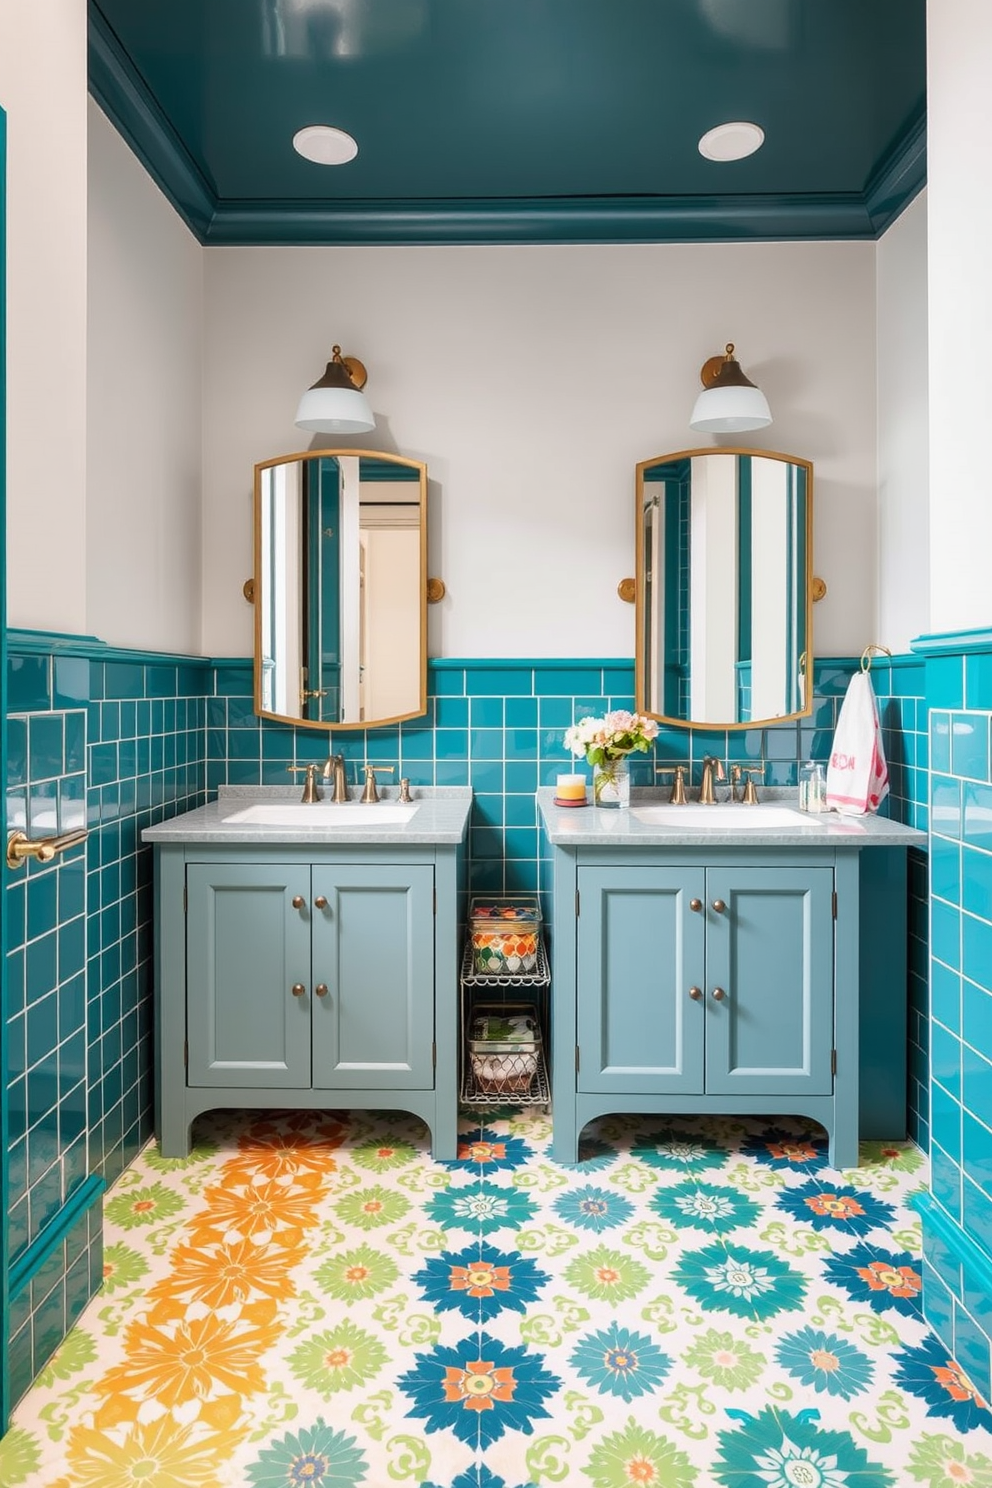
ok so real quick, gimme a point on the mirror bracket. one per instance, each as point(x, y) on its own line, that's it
point(818, 589)
point(435, 591)
point(627, 590)
point(248, 590)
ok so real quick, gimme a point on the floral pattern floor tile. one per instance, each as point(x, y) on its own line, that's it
point(310, 1299)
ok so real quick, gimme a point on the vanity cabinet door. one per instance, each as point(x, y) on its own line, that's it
point(640, 959)
point(247, 947)
point(373, 951)
point(769, 951)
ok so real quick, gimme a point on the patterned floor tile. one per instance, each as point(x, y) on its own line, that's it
point(310, 1299)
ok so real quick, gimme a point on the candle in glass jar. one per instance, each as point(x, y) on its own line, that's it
point(570, 790)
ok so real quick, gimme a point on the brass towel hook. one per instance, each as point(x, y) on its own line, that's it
point(20, 847)
point(872, 649)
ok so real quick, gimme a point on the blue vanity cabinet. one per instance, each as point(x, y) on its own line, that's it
point(704, 980)
point(306, 976)
point(301, 975)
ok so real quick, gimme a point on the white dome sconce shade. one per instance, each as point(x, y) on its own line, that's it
point(729, 402)
point(336, 404)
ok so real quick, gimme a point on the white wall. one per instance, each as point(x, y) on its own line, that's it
point(959, 119)
point(144, 379)
point(531, 380)
point(43, 90)
point(903, 431)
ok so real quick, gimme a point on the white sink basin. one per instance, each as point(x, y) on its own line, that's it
point(346, 816)
point(722, 818)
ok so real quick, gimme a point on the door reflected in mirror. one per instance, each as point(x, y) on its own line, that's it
point(340, 589)
point(724, 608)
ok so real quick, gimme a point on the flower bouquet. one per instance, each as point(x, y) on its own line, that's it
point(606, 743)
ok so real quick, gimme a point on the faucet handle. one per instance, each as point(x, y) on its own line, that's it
point(678, 796)
point(310, 792)
point(404, 795)
point(370, 793)
point(750, 796)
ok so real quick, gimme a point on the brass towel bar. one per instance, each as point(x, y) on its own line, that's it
point(873, 649)
point(20, 846)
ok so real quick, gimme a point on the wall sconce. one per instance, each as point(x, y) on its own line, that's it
point(729, 403)
point(336, 404)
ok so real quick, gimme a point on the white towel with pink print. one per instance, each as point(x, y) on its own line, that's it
point(857, 775)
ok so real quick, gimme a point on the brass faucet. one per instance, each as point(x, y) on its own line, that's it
point(310, 791)
point(712, 770)
point(678, 796)
point(334, 769)
point(370, 794)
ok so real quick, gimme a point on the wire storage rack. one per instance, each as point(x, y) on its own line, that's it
point(497, 1075)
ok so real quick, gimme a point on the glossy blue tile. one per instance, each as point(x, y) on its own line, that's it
point(976, 950)
point(971, 1350)
point(446, 682)
point(486, 712)
point(451, 712)
point(555, 715)
point(945, 1178)
point(945, 681)
point(521, 842)
point(28, 683)
point(945, 806)
point(520, 811)
point(945, 1062)
point(521, 712)
point(498, 682)
point(945, 932)
point(970, 745)
point(945, 1122)
point(46, 746)
point(521, 776)
point(940, 742)
point(945, 869)
point(417, 743)
point(976, 1081)
point(978, 680)
point(228, 682)
point(450, 743)
point(486, 776)
point(487, 810)
point(977, 1214)
point(978, 815)
point(977, 1152)
point(486, 744)
point(17, 751)
point(976, 875)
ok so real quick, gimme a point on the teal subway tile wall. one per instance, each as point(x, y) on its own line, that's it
point(108, 742)
point(143, 737)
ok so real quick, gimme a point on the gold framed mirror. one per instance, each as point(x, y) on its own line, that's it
point(340, 589)
point(724, 605)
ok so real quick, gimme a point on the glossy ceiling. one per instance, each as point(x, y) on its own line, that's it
point(519, 120)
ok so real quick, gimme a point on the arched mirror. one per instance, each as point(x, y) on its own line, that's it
point(724, 571)
point(340, 589)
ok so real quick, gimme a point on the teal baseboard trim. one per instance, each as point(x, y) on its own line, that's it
point(227, 663)
point(954, 642)
point(975, 1260)
point(31, 1261)
point(60, 643)
point(524, 663)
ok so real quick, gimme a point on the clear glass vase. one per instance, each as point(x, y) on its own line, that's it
point(611, 784)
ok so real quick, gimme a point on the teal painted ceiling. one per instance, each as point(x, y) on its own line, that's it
point(519, 120)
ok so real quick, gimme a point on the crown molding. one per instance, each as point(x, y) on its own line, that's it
point(899, 177)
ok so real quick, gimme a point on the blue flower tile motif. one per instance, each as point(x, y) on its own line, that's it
point(929, 1373)
point(882, 1278)
point(593, 1209)
point(704, 1206)
point(479, 1389)
point(490, 1151)
point(679, 1151)
point(777, 1450)
point(477, 1476)
point(480, 1282)
point(785, 1151)
point(826, 1362)
point(836, 1206)
point(315, 1454)
point(748, 1283)
point(480, 1208)
point(618, 1362)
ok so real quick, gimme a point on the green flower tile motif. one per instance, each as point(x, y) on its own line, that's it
point(901, 1157)
point(317, 1456)
point(370, 1208)
point(20, 1458)
point(341, 1359)
point(944, 1462)
point(122, 1267)
point(358, 1273)
point(778, 1450)
point(382, 1157)
point(136, 1207)
point(607, 1275)
point(201, 1153)
point(748, 1283)
point(637, 1455)
point(704, 1206)
point(726, 1360)
point(76, 1351)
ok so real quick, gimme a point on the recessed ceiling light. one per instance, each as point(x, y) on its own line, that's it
point(732, 141)
point(324, 145)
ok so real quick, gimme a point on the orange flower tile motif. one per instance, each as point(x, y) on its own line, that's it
point(479, 1386)
point(224, 1275)
point(192, 1361)
point(274, 1151)
point(267, 1209)
point(162, 1454)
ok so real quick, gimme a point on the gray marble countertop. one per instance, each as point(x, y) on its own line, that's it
point(441, 817)
point(592, 826)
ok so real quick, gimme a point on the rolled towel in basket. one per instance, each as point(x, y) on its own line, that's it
point(857, 775)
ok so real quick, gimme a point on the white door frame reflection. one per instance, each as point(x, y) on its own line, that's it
point(724, 604)
point(340, 588)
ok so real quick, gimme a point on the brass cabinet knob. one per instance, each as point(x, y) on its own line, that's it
point(298, 901)
point(320, 902)
point(695, 905)
point(298, 989)
point(321, 989)
point(719, 906)
point(695, 993)
point(718, 994)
